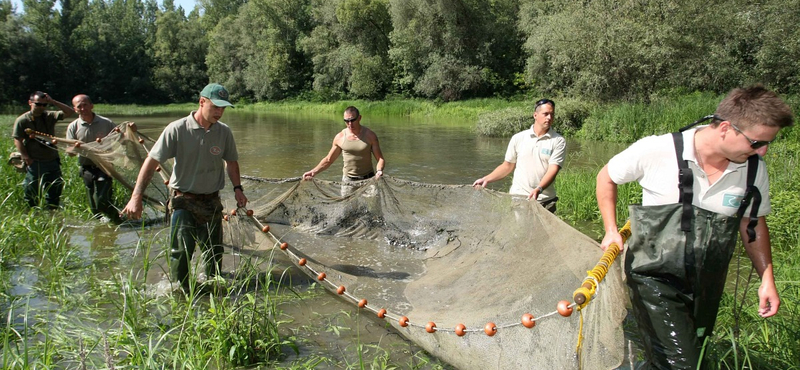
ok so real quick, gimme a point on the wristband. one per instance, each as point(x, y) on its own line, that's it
point(540, 188)
point(238, 187)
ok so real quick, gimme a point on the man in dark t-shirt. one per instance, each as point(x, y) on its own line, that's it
point(41, 157)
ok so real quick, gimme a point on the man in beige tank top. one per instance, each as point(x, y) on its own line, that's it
point(357, 144)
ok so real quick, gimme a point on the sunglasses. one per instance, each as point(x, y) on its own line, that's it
point(350, 120)
point(543, 102)
point(40, 104)
point(755, 144)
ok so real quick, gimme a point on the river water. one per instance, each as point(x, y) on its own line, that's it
point(279, 145)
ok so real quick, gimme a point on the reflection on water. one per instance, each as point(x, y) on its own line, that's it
point(279, 145)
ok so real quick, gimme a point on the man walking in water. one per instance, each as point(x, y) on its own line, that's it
point(357, 144)
point(204, 149)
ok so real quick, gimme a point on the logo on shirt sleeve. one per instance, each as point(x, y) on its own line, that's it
point(732, 200)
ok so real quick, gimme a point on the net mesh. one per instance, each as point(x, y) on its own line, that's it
point(427, 258)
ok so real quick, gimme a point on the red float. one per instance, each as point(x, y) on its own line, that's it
point(382, 313)
point(284, 246)
point(404, 321)
point(265, 228)
point(361, 304)
point(490, 329)
point(461, 330)
point(250, 213)
point(340, 290)
point(98, 140)
point(322, 276)
point(528, 321)
point(302, 262)
point(564, 309)
point(430, 327)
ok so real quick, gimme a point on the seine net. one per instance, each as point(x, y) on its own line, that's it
point(428, 259)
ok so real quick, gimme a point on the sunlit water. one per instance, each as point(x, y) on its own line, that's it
point(288, 144)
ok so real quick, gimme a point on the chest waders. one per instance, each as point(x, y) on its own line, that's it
point(676, 265)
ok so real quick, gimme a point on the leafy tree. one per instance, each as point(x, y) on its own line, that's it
point(179, 53)
point(255, 53)
point(349, 47)
point(449, 48)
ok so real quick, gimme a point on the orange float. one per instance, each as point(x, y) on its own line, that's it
point(98, 140)
point(564, 309)
point(361, 304)
point(54, 141)
point(490, 329)
point(340, 290)
point(528, 321)
point(284, 245)
point(322, 276)
point(302, 262)
point(233, 212)
point(461, 330)
point(382, 313)
point(250, 213)
point(141, 141)
point(265, 228)
point(404, 321)
point(430, 327)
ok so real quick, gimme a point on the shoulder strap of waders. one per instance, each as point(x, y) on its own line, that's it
point(751, 193)
point(685, 183)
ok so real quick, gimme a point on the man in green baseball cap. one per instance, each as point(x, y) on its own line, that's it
point(217, 94)
point(203, 151)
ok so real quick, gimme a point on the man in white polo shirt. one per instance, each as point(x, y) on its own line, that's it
point(700, 186)
point(535, 156)
point(204, 150)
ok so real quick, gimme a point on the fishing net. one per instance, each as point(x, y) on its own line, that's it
point(452, 268)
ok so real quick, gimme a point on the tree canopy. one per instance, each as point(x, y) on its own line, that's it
point(135, 51)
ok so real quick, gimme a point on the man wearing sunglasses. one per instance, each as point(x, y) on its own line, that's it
point(535, 156)
point(701, 186)
point(40, 156)
point(357, 144)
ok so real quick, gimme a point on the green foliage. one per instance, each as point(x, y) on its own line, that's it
point(255, 53)
point(179, 55)
point(446, 49)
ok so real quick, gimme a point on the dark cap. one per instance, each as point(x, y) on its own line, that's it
point(217, 94)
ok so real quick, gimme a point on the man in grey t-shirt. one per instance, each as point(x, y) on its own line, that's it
point(203, 149)
point(89, 127)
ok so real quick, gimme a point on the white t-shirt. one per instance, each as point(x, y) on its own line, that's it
point(651, 161)
point(533, 155)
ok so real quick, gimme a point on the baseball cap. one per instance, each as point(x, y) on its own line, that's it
point(217, 94)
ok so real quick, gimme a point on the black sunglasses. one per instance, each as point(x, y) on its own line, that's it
point(350, 120)
point(40, 104)
point(543, 102)
point(755, 144)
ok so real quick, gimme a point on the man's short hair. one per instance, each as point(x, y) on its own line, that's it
point(40, 94)
point(542, 102)
point(87, 97)
point(352, 110)
point(754, 105)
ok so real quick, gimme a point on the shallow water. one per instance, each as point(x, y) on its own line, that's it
point(286, 145)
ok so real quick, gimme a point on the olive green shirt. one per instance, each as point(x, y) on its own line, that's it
point(45, 123)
